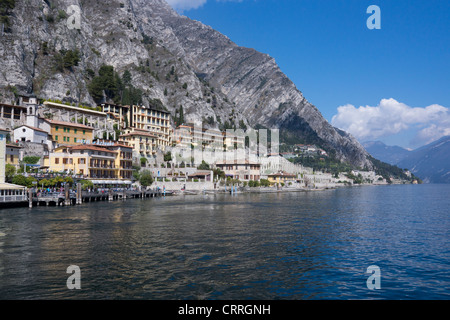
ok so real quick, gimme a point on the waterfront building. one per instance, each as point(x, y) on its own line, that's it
point(276, 163)
point(13, 154)
point(240, 169)
point(104, 160)
point(9, 193)
point(282, 177)
point(123, 161)
point(86, 161)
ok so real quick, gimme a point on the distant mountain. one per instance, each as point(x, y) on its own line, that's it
point(388, 154)
point(431, 163)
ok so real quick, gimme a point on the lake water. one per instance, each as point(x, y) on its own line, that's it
point(302, 245)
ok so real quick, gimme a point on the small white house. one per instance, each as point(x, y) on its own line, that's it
point(30, 134)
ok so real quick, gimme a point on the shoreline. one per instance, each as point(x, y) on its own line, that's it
point(248, 190)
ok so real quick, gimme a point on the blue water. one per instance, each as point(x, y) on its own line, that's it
point(303, 245)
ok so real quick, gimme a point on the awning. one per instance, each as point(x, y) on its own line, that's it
point(9, 186)
point(120, 182)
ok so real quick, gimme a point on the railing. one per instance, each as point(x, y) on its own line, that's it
point(97, 166)
point(15, 198)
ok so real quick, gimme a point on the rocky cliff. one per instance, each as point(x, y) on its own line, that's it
point(171, 58)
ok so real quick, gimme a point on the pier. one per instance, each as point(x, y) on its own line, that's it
point(68, 198)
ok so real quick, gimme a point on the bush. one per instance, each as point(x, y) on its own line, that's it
point(19, 180)
point(31, 159)
point(86, 184)
point(146, 178)
point(203, 166)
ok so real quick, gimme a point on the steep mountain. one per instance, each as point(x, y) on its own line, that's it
point(171, 60)
point(431, 163)
point(388, 154)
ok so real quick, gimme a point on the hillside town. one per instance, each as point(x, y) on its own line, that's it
point(110, 145)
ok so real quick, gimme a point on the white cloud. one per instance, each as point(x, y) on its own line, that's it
point(391, 117)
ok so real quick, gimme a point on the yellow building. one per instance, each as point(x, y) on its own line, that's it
point(9, 193)
point(93, 161)
point(124, 160)
point(68, 133)
point(88, 161)
point(13, 154)
point(281, 177)
point(143, 142)
point(241, 169)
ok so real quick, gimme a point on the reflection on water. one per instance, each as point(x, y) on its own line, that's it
point(310, 245)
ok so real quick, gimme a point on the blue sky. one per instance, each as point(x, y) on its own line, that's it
point(391, 84)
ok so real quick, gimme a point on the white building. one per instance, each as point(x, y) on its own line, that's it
point(9, 193)
point(27, 133)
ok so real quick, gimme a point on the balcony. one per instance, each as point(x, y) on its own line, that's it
point(94, 165)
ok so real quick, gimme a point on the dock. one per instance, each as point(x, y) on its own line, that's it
point(68, 198)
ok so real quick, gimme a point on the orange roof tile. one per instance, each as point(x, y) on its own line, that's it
point(69, 124)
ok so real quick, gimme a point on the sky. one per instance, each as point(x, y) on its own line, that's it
point(390, 84)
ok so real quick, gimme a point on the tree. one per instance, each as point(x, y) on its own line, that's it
point(10, 171)
point(19, 180)
point(126, 78)
point(219, 173)
point(146, 178)
point(86, 184)
point(143, 162)
point(5, 11)
point(203, 166)
point(95, 89)
point(168, 156)
point(68, 180)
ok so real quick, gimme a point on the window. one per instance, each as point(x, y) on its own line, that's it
point(64, 160)
point(65, 129)
point(84, 131)
point(68, 139)
point(56, 128)
point(56, 160)
point(75, 130)
point(64, 138)
point(68, 130)
point(75, 140)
